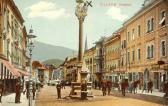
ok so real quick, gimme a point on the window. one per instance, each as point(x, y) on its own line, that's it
point(162, 18)
point(139, 30)
point(133, 32)
point(163, 48)
point(133, 56)
point(139, 54)
point(128, 59)
point(128, 36)
point(123, 44)
point(150, 51)
point(122, 61)
point(150, 24)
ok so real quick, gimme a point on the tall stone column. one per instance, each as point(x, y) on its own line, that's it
point(1, 45)
point(80, 52)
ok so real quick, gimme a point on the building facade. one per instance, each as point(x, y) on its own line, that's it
point(147, 42)
point(89, 57)
point(112, 57)
point(12, 45)
point(70, 69)
point(99, 59)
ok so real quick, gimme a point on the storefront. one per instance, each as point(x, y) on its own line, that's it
point(9, 75)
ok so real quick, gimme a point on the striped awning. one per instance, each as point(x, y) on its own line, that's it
point(12, 70)
point(24, 73)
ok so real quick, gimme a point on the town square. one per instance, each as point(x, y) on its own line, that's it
point(83, 52)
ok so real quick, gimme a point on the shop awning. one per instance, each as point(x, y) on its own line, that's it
point(11, 68)
point(24, 73)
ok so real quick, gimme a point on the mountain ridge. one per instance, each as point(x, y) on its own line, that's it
point(43, 51)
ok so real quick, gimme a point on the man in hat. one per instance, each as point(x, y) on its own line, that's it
point(17, 91)
point(104, 88)
point(123, 86)
point(150, 85)
point(58, 86)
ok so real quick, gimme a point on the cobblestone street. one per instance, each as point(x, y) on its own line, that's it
point(48, 97)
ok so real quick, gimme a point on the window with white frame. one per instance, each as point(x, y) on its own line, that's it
point(150, 51)
point(150, 24)
point(163, 48)
point(162, 18)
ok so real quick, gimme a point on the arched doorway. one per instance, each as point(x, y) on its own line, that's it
point(146, 75)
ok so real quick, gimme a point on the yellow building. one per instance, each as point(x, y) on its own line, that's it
point(147, 40)
point(70, 69)
point(89, 57)
point(12, 43)
point(112, 57)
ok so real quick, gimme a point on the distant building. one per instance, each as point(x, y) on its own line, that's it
point(89, 57)
point(70, 69)
point(112, 58)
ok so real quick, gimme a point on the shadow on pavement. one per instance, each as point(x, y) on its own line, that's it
point(148, 98)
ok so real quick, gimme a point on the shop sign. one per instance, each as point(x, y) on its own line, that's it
point(155, 67)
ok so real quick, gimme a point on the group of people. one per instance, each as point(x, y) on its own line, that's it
point(124, 86)
point(19, 90)
point(106, 87)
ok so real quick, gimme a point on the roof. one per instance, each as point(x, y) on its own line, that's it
point(15, 8)
point(142, 11)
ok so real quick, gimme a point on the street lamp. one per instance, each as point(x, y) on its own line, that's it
point(30, 46)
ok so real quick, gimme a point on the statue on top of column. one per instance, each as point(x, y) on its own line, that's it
point(81, 8)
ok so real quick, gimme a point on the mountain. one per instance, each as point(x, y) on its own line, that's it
point(44, 52)
point(55, 62)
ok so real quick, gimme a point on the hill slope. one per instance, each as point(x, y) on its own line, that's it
point(55, 62)
point(44, 52)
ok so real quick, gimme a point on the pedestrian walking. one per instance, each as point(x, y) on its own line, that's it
point(109, 86)
point(27, 90)
point(150, 85)
point(135, 85)
point(123, 87)
point(18, 92)
point(34, 90)
point(58, 86)
point(1, 90)
point(104, 86)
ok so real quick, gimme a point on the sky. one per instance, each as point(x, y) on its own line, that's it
point(54, 21)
